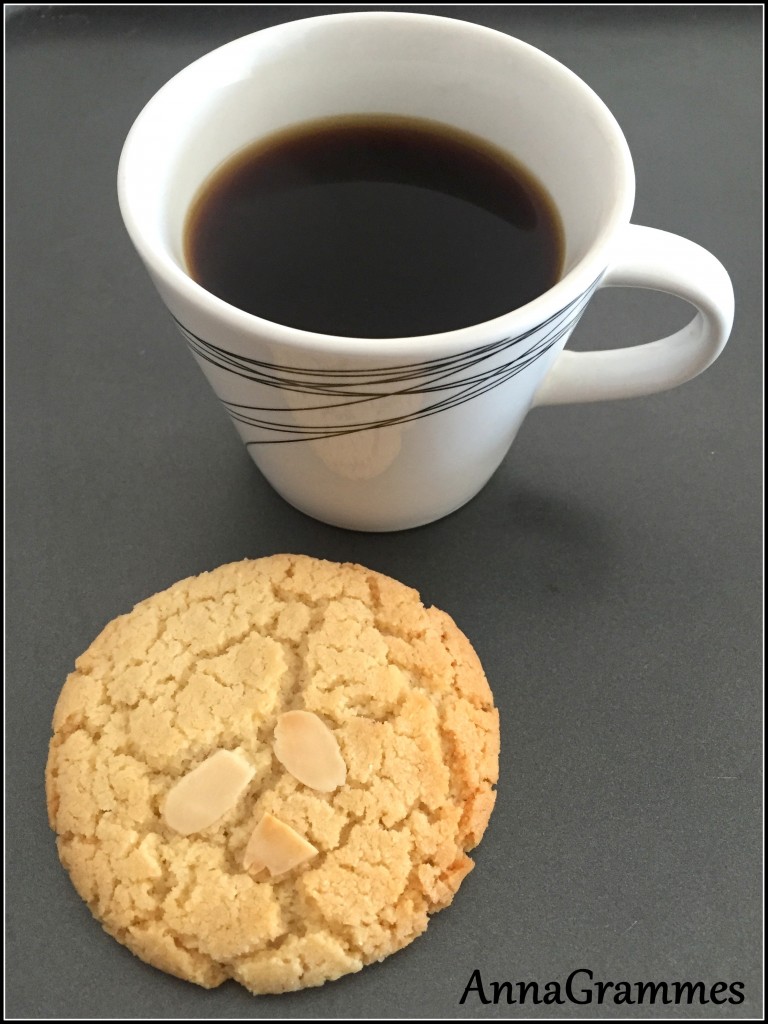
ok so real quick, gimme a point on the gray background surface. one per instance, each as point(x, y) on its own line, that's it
point(609, 575)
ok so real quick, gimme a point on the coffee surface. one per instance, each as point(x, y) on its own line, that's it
point(373, 227)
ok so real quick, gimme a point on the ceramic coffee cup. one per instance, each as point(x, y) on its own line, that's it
point(386, 434)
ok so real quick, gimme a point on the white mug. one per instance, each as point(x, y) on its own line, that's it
point(387, 434)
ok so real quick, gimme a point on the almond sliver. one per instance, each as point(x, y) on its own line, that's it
point(307, 748)
point(276, 846)
point(206, 793)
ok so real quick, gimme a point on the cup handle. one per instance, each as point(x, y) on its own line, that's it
point(649, 258)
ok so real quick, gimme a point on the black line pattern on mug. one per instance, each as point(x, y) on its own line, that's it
point(348, 388)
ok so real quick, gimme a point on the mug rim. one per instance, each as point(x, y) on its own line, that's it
point(577, 281)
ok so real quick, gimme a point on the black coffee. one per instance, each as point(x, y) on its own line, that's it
point(373, 227)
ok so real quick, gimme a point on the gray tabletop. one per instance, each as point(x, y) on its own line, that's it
point(608, 576)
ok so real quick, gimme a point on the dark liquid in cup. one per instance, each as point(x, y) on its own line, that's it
point(373, 227)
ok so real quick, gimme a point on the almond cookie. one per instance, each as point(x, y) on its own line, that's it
point(272, 772)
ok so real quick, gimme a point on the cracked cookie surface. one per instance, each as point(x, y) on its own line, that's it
point(210, 664)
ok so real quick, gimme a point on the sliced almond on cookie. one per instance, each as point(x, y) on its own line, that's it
point(276, 846)
point(206, 793)
point(307, 748)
